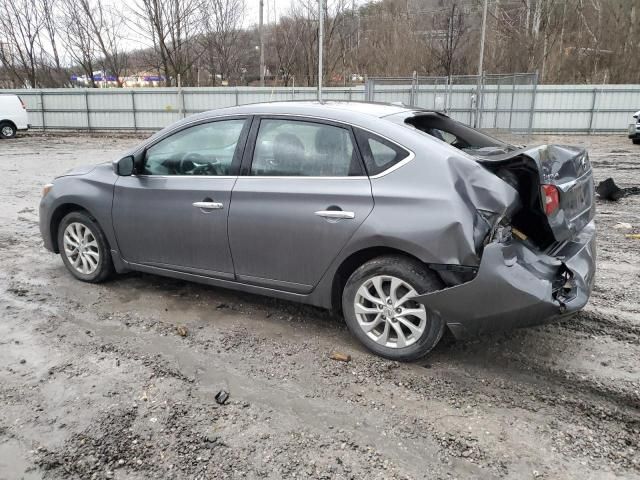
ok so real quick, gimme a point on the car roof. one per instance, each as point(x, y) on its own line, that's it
point(335, 109)
point(366, 115)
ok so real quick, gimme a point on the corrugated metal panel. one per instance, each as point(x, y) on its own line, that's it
point(507, 105)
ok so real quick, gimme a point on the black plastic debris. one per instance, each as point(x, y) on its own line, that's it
point(608, 190)
point(221, 397)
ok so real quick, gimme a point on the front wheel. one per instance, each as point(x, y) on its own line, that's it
point(84, 248)
point(380, 311)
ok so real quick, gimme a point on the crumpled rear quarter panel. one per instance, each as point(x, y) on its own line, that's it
point(429, 208)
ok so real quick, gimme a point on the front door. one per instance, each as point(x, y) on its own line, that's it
point(173, 214)
point(304, 196)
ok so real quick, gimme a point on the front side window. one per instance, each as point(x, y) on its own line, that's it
point(205, 149)
point(304, 149)
point(379, 154)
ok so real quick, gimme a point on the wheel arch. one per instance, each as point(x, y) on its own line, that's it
point(353, 262)
point(58, 214)
point(10, 122)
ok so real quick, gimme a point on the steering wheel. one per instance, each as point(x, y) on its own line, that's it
point(196, 164)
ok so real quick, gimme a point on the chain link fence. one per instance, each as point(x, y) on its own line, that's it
point(501, 102)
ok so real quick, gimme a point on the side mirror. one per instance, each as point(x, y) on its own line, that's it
point(124, 166)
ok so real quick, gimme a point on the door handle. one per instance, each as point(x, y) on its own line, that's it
point(208, 205)
point(335, 214)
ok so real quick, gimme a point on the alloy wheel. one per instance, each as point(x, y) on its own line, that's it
point(387, 313)
point(81, 248)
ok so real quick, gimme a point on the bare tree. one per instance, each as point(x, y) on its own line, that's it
point(50, 32)
point(106, 26)
point(21, 23)
point(284, 42)
point(222, 21)
point(171, 27)
point(450, 42)
point(79, 40)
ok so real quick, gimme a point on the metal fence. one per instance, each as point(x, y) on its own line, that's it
point(513, 103)
point(504, 102)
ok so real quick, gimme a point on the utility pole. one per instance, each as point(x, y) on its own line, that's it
point(320, 47)
point(480, 66)
point(261, 31)
point(484, 31)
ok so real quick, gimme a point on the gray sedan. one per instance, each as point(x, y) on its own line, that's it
point(405, 220)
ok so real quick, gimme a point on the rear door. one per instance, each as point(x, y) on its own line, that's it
point(303, 195)
point(173, 213)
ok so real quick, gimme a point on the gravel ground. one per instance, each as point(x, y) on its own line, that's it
point(99, 381)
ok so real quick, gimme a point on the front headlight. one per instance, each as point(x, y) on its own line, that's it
point(46, 189)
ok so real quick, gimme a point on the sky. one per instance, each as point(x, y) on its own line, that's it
point(273, 9)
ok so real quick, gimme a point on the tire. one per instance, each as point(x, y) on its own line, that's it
point(636, 141)
point(89, 261)
point(7, 130)
point(387, 271)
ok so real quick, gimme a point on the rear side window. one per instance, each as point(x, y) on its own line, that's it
point(294, 148)
point(379, 154)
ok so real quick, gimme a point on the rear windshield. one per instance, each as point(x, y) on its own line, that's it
point(454, 133)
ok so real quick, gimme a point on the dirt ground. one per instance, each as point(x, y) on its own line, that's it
point(97, 382)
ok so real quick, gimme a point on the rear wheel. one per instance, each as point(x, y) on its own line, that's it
point(84, 248)
point(7, 130)
point(636, 141)
point(379, 309)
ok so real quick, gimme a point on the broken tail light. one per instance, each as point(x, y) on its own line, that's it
point(550, 198)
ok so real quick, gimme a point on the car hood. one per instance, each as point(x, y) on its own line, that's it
point(80, 170)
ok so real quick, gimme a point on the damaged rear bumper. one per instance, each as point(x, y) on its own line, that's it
point(518, 287)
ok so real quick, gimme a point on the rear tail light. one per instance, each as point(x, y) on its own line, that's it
point(24, 107)
point(550, 199)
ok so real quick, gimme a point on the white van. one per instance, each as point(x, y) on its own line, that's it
point(13, 115)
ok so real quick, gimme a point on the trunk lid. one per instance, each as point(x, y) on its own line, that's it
point(567, 168)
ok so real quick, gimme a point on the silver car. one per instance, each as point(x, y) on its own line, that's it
point(405, 220)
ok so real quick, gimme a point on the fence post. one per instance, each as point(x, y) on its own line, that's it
point(495, 114)
point(513, 95)
point(480, 100)
point(133, 110)
point(593, 106)
point(86, 105)
point(237, 97)
point(44, 125)
point(367, 89)
point(533, 103)
point(435, 92)
point(412, 93)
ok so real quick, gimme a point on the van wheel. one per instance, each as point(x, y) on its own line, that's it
point(7, 130)
point(379, 310)
point(636, 141)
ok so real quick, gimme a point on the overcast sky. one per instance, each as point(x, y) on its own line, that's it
point(273, 9)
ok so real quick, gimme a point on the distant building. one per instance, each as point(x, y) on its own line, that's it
point(102, 80)
point(143, 79)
